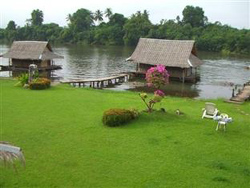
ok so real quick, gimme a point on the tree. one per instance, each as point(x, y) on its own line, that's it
point(69, 18)
point(81, 20)
point(36, 17)
point(156, 77)
point(98, 16)
point(66, 35)
point(110, 33)
point(10, 31)
point(178, 20)
point(117, 19)
point(108, 13)
point(137, 26)
point(194, 16)
point(11, 25)
point(146, 14)
point(116, 24)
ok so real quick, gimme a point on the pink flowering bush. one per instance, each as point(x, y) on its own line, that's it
point(155, 77)
point(160, 93)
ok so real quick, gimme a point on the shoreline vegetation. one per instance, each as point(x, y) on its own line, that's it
point(87, 27)
point(65, 144)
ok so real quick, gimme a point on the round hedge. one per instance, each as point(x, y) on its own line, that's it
point(39, 84)
point(116, 117)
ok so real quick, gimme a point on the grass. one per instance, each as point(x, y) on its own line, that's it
point(66, 145)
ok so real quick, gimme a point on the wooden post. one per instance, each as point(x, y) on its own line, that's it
point(183, 75)
point(10, 72)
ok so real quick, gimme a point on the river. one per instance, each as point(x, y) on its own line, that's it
point(218, 74)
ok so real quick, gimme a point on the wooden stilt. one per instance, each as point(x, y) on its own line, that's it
point(183, 75)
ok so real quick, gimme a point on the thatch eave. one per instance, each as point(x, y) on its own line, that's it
point(31, 50)
point(171, 53)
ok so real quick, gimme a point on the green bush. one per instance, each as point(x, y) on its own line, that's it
point(40, 83)
point(116, 117)
point(22, 79)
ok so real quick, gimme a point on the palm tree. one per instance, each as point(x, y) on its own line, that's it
point(69, 18)
point(146, 13)
point(108, 13)
point(98, 16)
point(138, 13)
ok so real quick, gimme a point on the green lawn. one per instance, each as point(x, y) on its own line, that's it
point(66, 145)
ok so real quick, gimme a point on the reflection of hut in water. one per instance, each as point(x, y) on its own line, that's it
point(179, 57)
point(174, 88)
point(23, 53)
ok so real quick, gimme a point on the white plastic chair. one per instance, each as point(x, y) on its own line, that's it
point(223, 119)
point(210, 110)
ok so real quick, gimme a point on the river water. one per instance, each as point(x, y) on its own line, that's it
point(218, 74)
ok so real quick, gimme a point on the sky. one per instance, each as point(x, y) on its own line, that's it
point(235, 13)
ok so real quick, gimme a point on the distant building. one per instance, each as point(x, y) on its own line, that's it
point(179, 57)
point(23, 53)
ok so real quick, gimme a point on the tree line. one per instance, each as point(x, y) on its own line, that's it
point(89, 27)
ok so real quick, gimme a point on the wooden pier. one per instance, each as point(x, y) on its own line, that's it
point(242, 96)
point(100, 82)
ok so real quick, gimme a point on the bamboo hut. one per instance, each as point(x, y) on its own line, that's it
point(23, 53)
point(179, 57)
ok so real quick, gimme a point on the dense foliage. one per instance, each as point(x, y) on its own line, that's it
point(116, 117)
point(106, 28)
point(39, 84)
point(23, 79)
point(157, 76)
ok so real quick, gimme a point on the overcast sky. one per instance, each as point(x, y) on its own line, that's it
point(235, 13)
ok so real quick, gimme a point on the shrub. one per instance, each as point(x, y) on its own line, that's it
point(155, 77)
point(116, 117)
point(22, 79)
point(40, 83)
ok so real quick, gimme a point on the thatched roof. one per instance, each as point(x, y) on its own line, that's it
point(171, 53)
point(33, 50)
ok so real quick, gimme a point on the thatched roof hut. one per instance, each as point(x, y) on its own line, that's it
point(23, 53)
point(31, 50)
point(179, 56)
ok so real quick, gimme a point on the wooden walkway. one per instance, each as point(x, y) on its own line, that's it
point(242, 96)
point(100, 82)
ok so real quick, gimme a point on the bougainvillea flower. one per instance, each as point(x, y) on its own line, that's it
point(159, 93)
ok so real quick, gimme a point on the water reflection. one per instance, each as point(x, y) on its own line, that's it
point(173, 89)
point(93, 61)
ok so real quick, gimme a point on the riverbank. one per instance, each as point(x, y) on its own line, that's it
point(91, 62)
point(66, 145)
